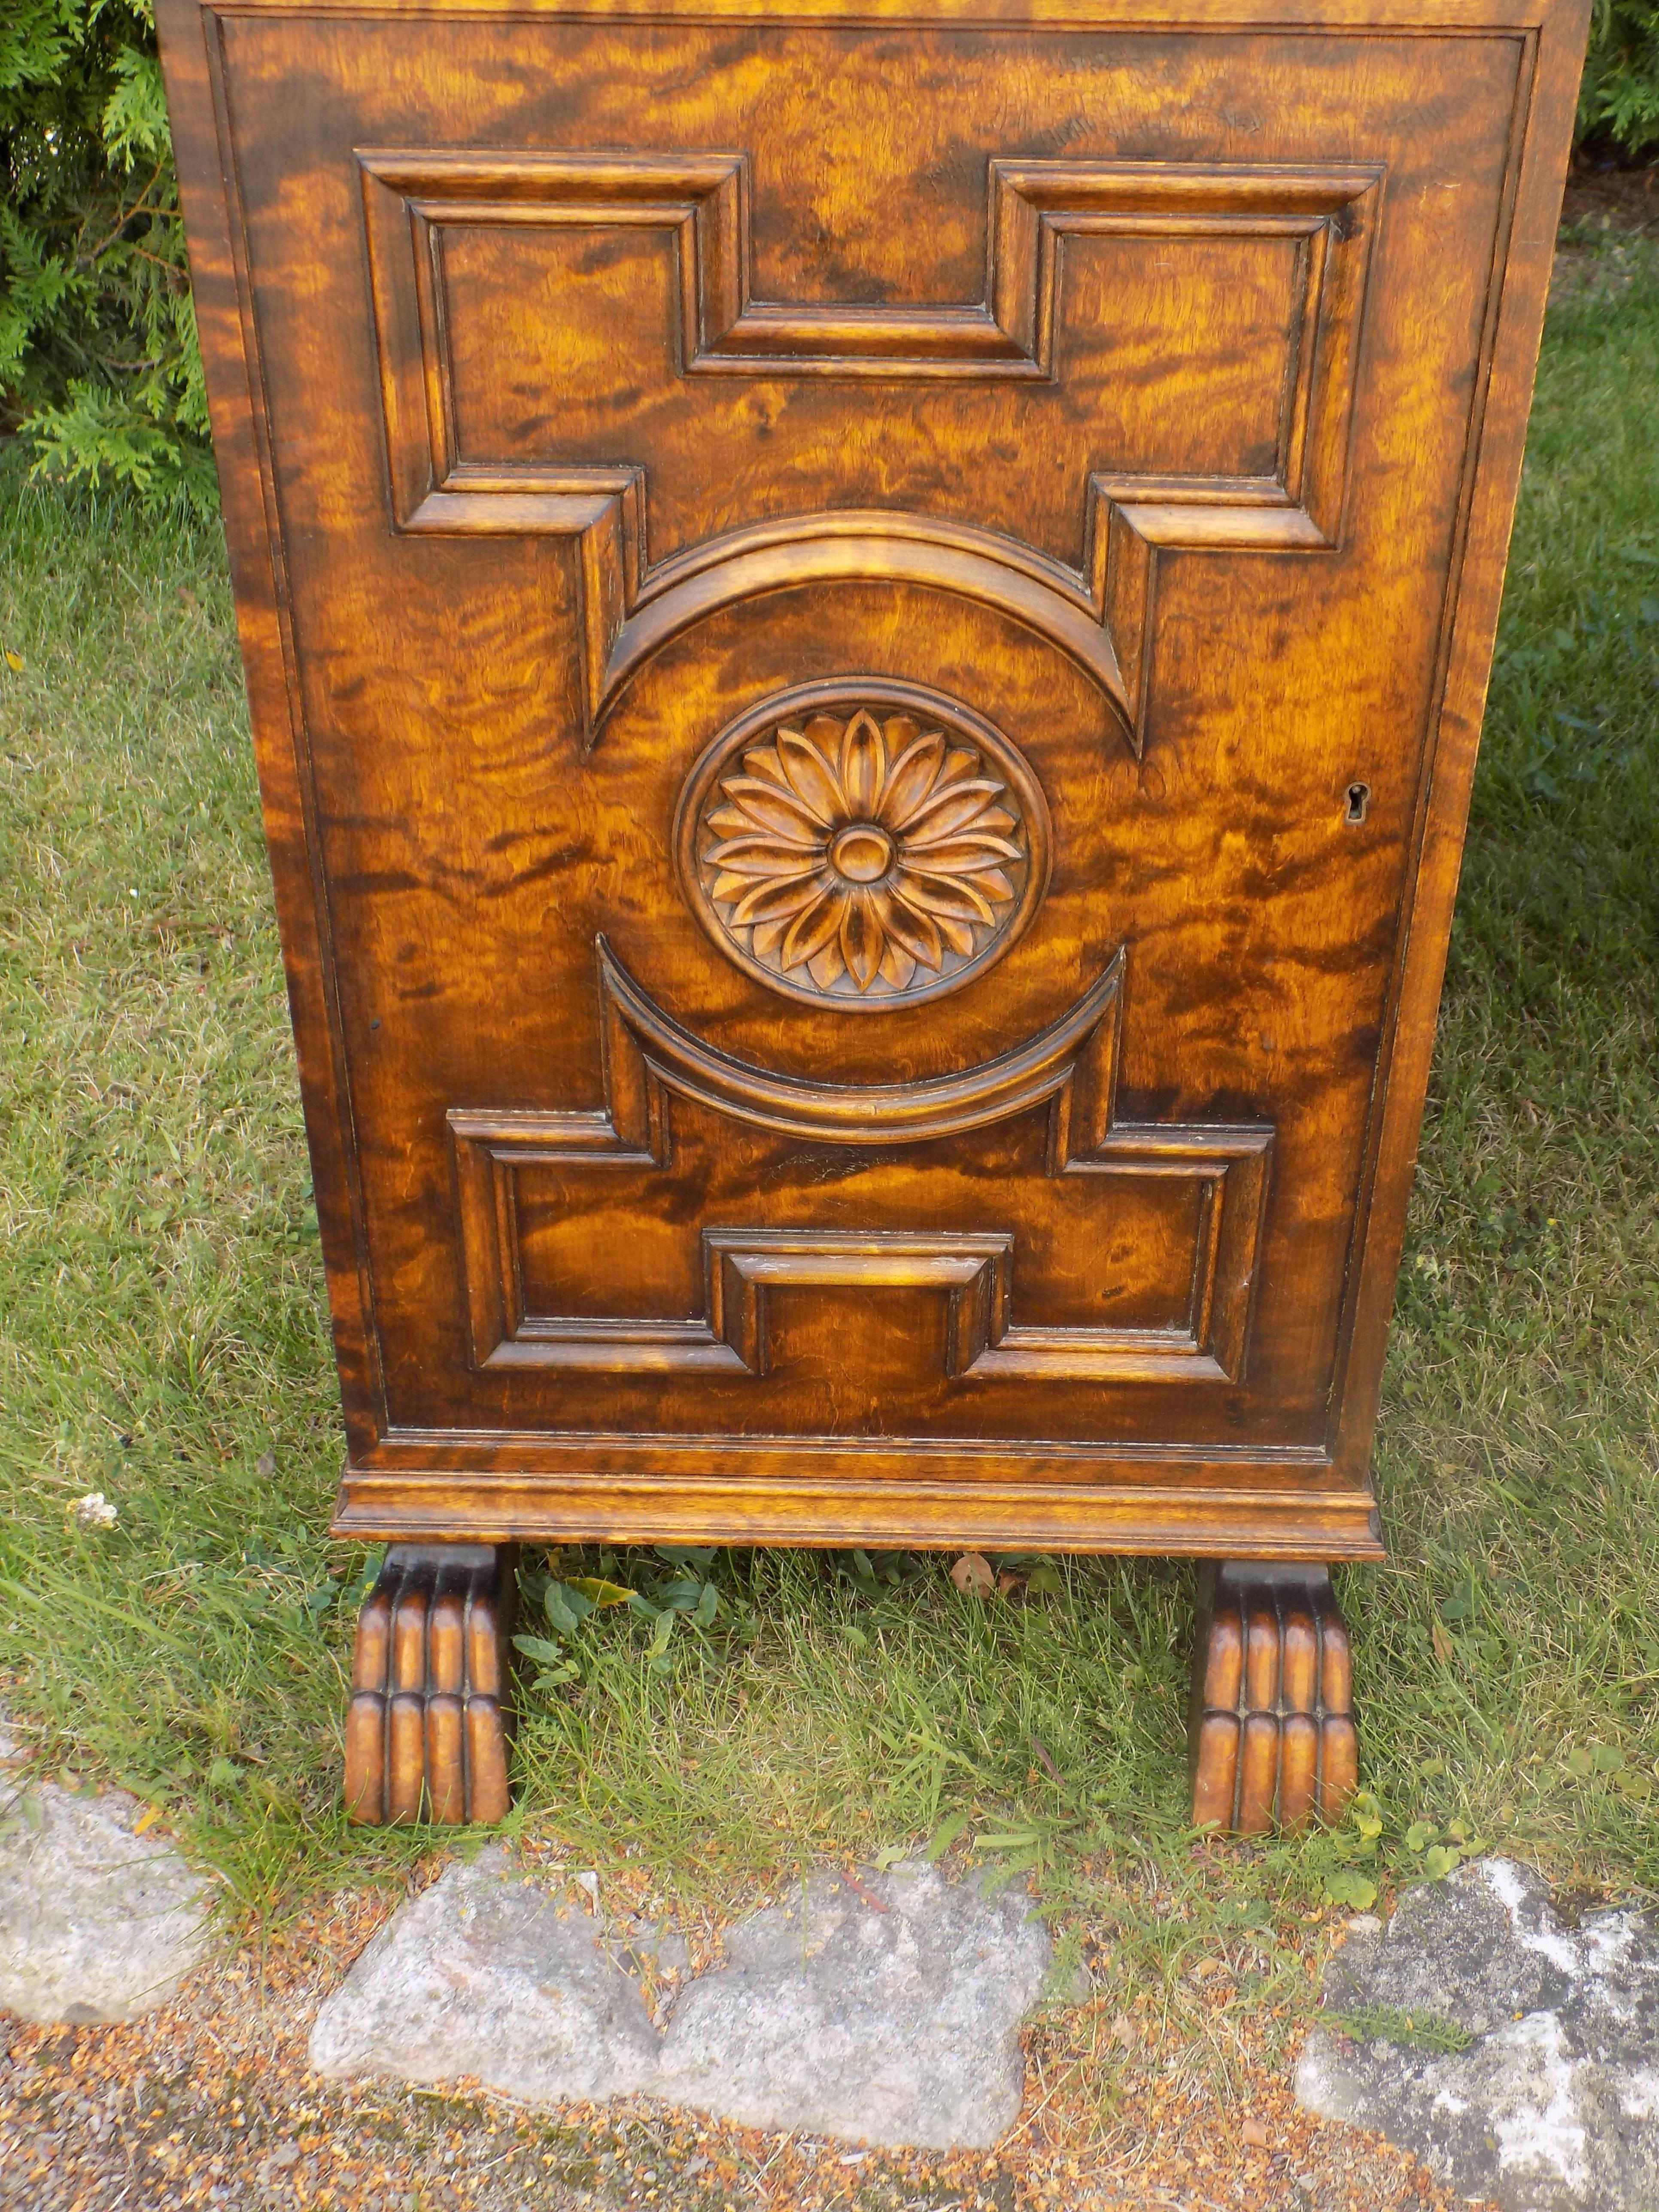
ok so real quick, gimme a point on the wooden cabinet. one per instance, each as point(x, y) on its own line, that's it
point(866, 631)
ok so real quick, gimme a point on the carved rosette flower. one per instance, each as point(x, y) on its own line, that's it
point(864, 859)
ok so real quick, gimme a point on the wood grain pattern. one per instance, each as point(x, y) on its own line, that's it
point(427, 1724)
point(1273, 1741)
point(1150, 389)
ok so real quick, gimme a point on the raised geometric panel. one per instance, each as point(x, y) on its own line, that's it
point(1304, 234)
point(1070, 1069)
point(862, 844)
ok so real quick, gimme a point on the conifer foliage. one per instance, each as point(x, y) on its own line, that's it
point(1620, 96)
point(99, 375)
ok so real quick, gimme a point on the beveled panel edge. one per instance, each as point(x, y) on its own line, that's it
point(1071, 1067)
point(1197, 1520)
point(1102, 617)
point(702, 203)
point(972, 1269)
point(1401, 18)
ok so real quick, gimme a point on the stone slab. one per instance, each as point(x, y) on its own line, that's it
point(1554, 2106)
point(885, 2009)
point(97, 1923)
point(889, 2014)
point(484, 1975)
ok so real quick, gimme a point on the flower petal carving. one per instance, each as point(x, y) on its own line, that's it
point(765, 856)
point(813, 930)
point(869, 853)
point(917, 932)
point(914, 774)
point(863, 769)
point(953, 807)
point(774, 901)
point(762, 807)
point(809, 774)
point(945, 899)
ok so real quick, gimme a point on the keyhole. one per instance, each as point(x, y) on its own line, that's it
point(1359, 798)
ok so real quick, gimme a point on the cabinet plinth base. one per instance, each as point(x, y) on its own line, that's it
point(1272, 1728)
point(427, 1726)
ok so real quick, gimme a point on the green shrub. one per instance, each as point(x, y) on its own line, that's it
point(1620, 98)
point(99, 373)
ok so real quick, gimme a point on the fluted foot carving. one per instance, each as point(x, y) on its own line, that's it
point(1272, 1729)
point(426, 1727)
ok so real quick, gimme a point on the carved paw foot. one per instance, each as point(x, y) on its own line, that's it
point(426, 1729)
point(1272, 1728)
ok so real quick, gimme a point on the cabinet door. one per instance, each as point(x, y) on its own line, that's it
point(855, 623)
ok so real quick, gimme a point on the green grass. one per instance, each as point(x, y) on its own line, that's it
point(164, 1340)
point(1418, 2031)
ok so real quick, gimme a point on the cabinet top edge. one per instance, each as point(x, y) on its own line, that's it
point(1398, 17)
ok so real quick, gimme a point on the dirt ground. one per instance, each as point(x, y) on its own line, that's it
point(1612, 199)
point(209, 2102)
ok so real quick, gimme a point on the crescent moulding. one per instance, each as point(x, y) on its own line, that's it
point(1099, 613)
point(862, 844)
point(648, 1055)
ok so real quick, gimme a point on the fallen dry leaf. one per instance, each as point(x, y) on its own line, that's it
point(1255, 2134)
point(972, 1575)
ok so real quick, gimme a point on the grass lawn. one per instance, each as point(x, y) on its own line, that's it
point(163, 1340)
